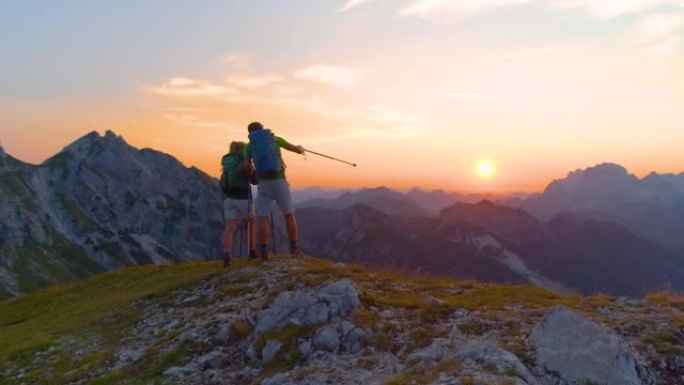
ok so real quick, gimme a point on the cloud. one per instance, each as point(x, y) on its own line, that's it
point(609, 9)
point(454, 11)
point(242, 95)
point(187, 87)
point(546, 50)
point(661, 33)
point(329, 74)
point(350, 4)
point(252, 82)
point(468, 96)
point(237, 60)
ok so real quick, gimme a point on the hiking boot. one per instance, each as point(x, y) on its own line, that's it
point(295, 251)
point(265, 255)
point(252, 255)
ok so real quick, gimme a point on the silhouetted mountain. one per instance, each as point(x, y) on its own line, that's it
point(316, 194)
point(383, 199)
point(490, 242)
point(652, 207)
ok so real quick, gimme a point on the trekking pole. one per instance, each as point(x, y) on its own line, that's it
point(273, 234)
point(331, 158)
point(242, 235)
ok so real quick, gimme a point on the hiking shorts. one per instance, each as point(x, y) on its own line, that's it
point(277, 190)
point(237, 209)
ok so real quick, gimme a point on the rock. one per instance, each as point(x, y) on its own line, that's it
point(210, 360)
point(306, 348)
point(354, 341)
point(306, 308)
point(278, 379)
point(178, 372)
point(435, 352)
point(487, 351)
point(270, 350)
point(327, 338)
point(343, 336)
point(582, 351)
point(127, 356)
point(246, 374)
point(223, 334)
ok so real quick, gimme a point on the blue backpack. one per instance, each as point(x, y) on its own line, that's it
point(266, 154)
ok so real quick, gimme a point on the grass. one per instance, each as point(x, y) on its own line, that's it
point(97, 304)
point(667, 299)
point(419, 375)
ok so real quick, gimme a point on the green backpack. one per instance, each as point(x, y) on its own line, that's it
point(233, 175)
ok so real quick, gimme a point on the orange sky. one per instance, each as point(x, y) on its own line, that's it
point(417, 96)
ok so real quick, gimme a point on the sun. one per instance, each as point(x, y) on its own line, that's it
point(485, 169)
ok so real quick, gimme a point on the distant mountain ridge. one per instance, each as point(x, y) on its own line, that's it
point(489, 242)
point(101, 204)
point(652, 206)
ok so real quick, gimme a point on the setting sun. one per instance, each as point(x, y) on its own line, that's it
point(485, 169)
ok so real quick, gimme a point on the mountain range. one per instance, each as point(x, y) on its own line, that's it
point(101, 204)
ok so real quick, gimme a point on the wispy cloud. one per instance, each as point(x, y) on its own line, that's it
point(608, 9)
point(453, 11)
point(187, 87)
point(546, 50)
point(661, 33)
point(310, 95)
point(350, 4)
point(468, 96)
point(338, 76)
point(255, 81)
point(237, 60)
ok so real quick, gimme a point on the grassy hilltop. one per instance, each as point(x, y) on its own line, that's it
point(91, 332)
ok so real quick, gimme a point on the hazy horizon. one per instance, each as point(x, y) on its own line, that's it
point(469, 96)
point(403, 189)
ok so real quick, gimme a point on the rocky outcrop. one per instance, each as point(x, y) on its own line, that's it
point(269, 323)
point(309, 308)
point(582, 351)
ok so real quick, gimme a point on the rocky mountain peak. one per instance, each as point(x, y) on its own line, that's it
point(3, 155)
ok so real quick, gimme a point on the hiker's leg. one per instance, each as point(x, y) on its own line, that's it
point(291, 224)
point(229, 230)
point(283, 197)
point(262, 224)
point(263, 210)
point(251, 237)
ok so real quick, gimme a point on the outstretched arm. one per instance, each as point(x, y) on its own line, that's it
point(289, 147)
point(293, 148)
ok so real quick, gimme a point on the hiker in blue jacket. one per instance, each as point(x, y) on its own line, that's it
point(263, 153)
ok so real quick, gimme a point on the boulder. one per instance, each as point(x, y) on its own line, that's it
point(487, 351)
point(211, 360)
point(582, 351)
point(327, 338)
point(309, 308)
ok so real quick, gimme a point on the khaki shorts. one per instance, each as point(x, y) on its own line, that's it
point(237, 209)
point(276, 190)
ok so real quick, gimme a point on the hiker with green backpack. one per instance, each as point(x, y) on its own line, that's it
point(263, 159)
point(237, 202)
